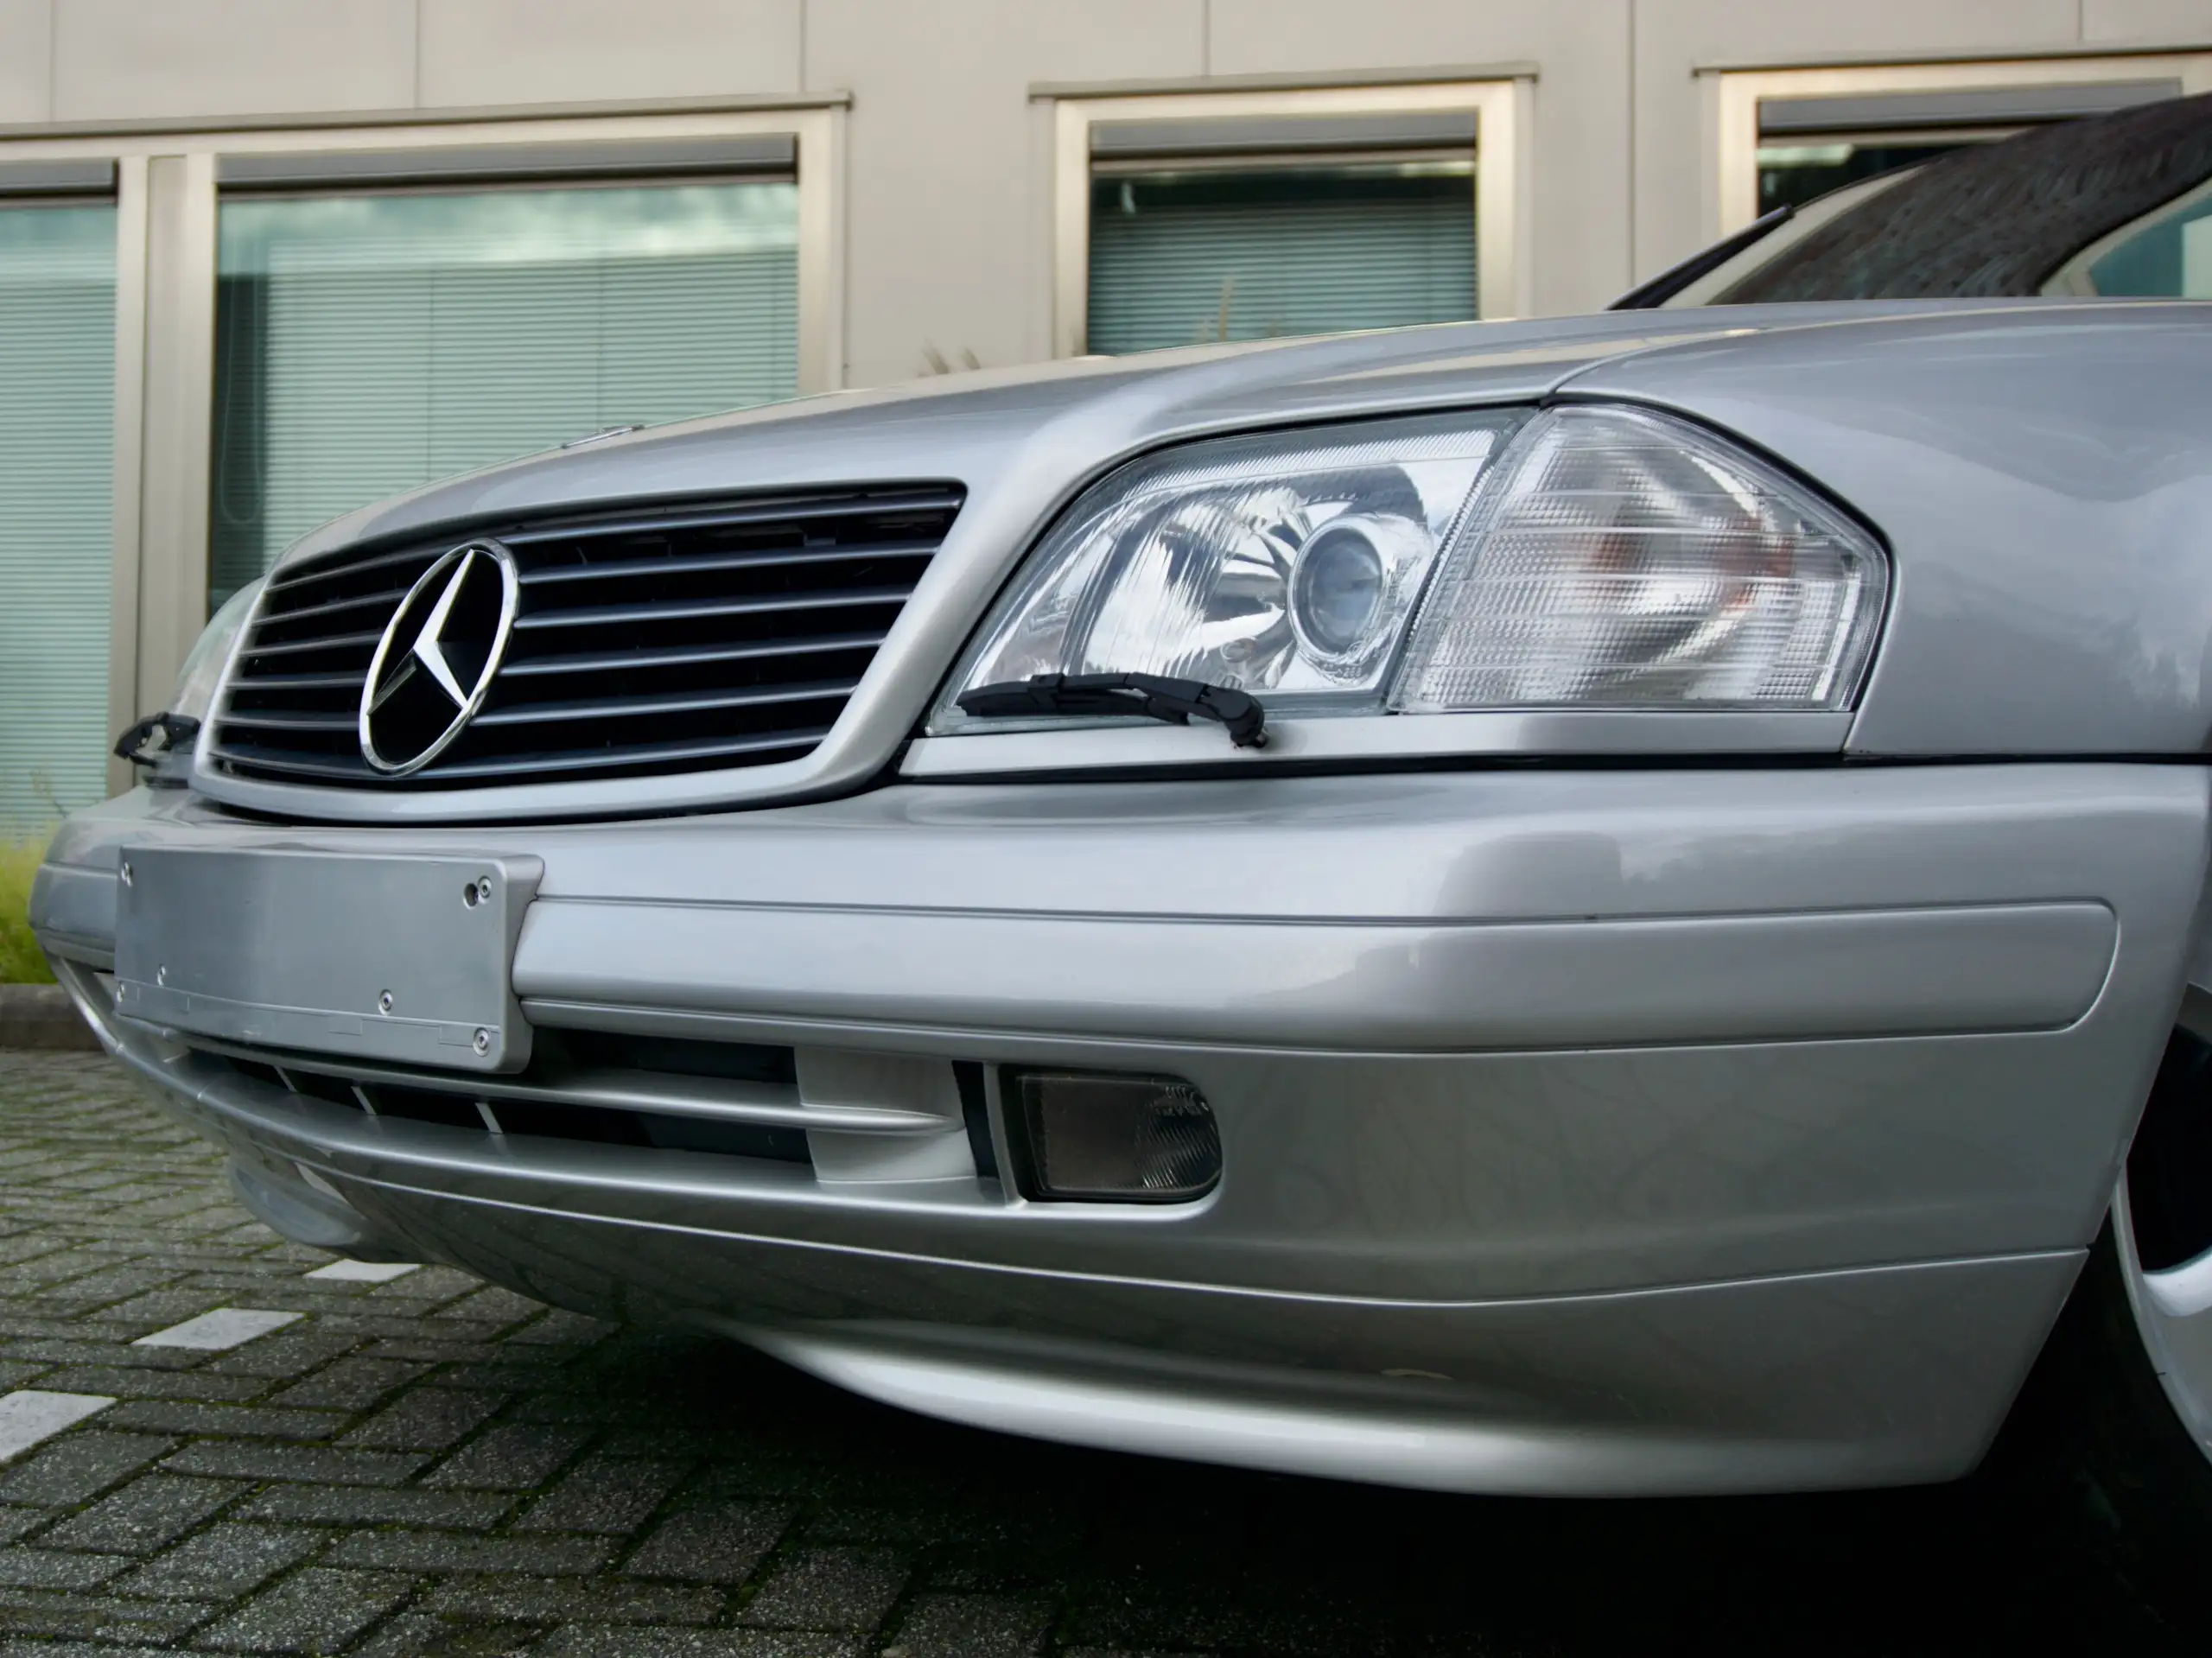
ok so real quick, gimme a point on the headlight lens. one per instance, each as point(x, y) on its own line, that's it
point(203, 669)
point(1285, 566)
point(1610, 558)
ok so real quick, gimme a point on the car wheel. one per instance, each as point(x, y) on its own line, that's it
point(2120, 1405)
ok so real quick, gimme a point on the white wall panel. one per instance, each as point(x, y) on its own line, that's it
point(1674, 37)
point(26, 50)
point(949, 216)
point(1580, 214)
point(132, 59)
point(483, 51)
point(2182, 22)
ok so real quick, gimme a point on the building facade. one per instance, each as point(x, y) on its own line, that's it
point(263, 260)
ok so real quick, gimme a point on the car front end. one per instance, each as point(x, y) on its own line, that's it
point(1654, 994)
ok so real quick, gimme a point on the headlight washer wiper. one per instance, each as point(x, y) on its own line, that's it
point(1175, 701)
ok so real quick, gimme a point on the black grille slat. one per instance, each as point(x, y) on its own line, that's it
point(308, 682)
point(938, 502)
point(251, 758)
point(291, 580)
point(387, 597)
point(725, 564)
point(525, 713)
point(289, 721)
point(645, 756)
point(706, 609)
point(728, 634)
point(339, 642)
point(679, 656)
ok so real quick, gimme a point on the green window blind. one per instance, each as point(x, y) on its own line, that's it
point(57, 455)
point(1181, 257)
point(367, 344)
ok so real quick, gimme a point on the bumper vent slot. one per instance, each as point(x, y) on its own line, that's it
point(525, 1111)
point(645, 642)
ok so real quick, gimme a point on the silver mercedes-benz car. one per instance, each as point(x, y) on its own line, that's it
point(1581, 906)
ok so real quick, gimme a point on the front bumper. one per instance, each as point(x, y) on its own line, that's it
point(1582, 1132)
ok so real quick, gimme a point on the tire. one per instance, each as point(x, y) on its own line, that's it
point(2125, 1452)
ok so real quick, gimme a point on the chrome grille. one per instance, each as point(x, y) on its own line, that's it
point(645, 641)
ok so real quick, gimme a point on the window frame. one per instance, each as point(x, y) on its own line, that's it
point(1501, 106)
point(166, 195)
point(1733, 95)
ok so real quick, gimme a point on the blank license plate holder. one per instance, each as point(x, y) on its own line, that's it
point(400, 959)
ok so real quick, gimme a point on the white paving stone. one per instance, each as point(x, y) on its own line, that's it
point(366, 1271)
point(30, 1416)
point(211, 1332)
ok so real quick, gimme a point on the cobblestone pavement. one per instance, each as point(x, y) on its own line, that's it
point(429, 1465)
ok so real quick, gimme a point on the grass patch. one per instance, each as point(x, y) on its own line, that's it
point(21, 961)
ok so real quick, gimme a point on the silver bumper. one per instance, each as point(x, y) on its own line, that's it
point(1618, 1132)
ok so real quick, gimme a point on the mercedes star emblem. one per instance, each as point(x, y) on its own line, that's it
point(437, 657)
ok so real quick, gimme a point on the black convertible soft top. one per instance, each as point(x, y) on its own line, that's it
point(1984, 221)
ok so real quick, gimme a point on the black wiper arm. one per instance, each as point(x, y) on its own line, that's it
point(1176, 700)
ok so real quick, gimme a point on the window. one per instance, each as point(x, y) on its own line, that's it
point(213, 340)
point(1188, 219)
point(368, 342)
point(1787, 136)
point(57, 433)
point(2165, 255)
point(1226, 241)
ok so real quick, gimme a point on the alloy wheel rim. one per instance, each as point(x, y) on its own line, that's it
point(2173, 1315)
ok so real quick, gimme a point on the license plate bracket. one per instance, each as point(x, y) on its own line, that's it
point(404, 959)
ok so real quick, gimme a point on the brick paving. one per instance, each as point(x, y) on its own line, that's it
point(428, 1465)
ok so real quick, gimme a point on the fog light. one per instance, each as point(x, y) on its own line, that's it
point(1126, 1139)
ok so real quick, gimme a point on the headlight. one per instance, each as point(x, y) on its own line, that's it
point(1285, 567)
point(1608, 558)
point(203, 669)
